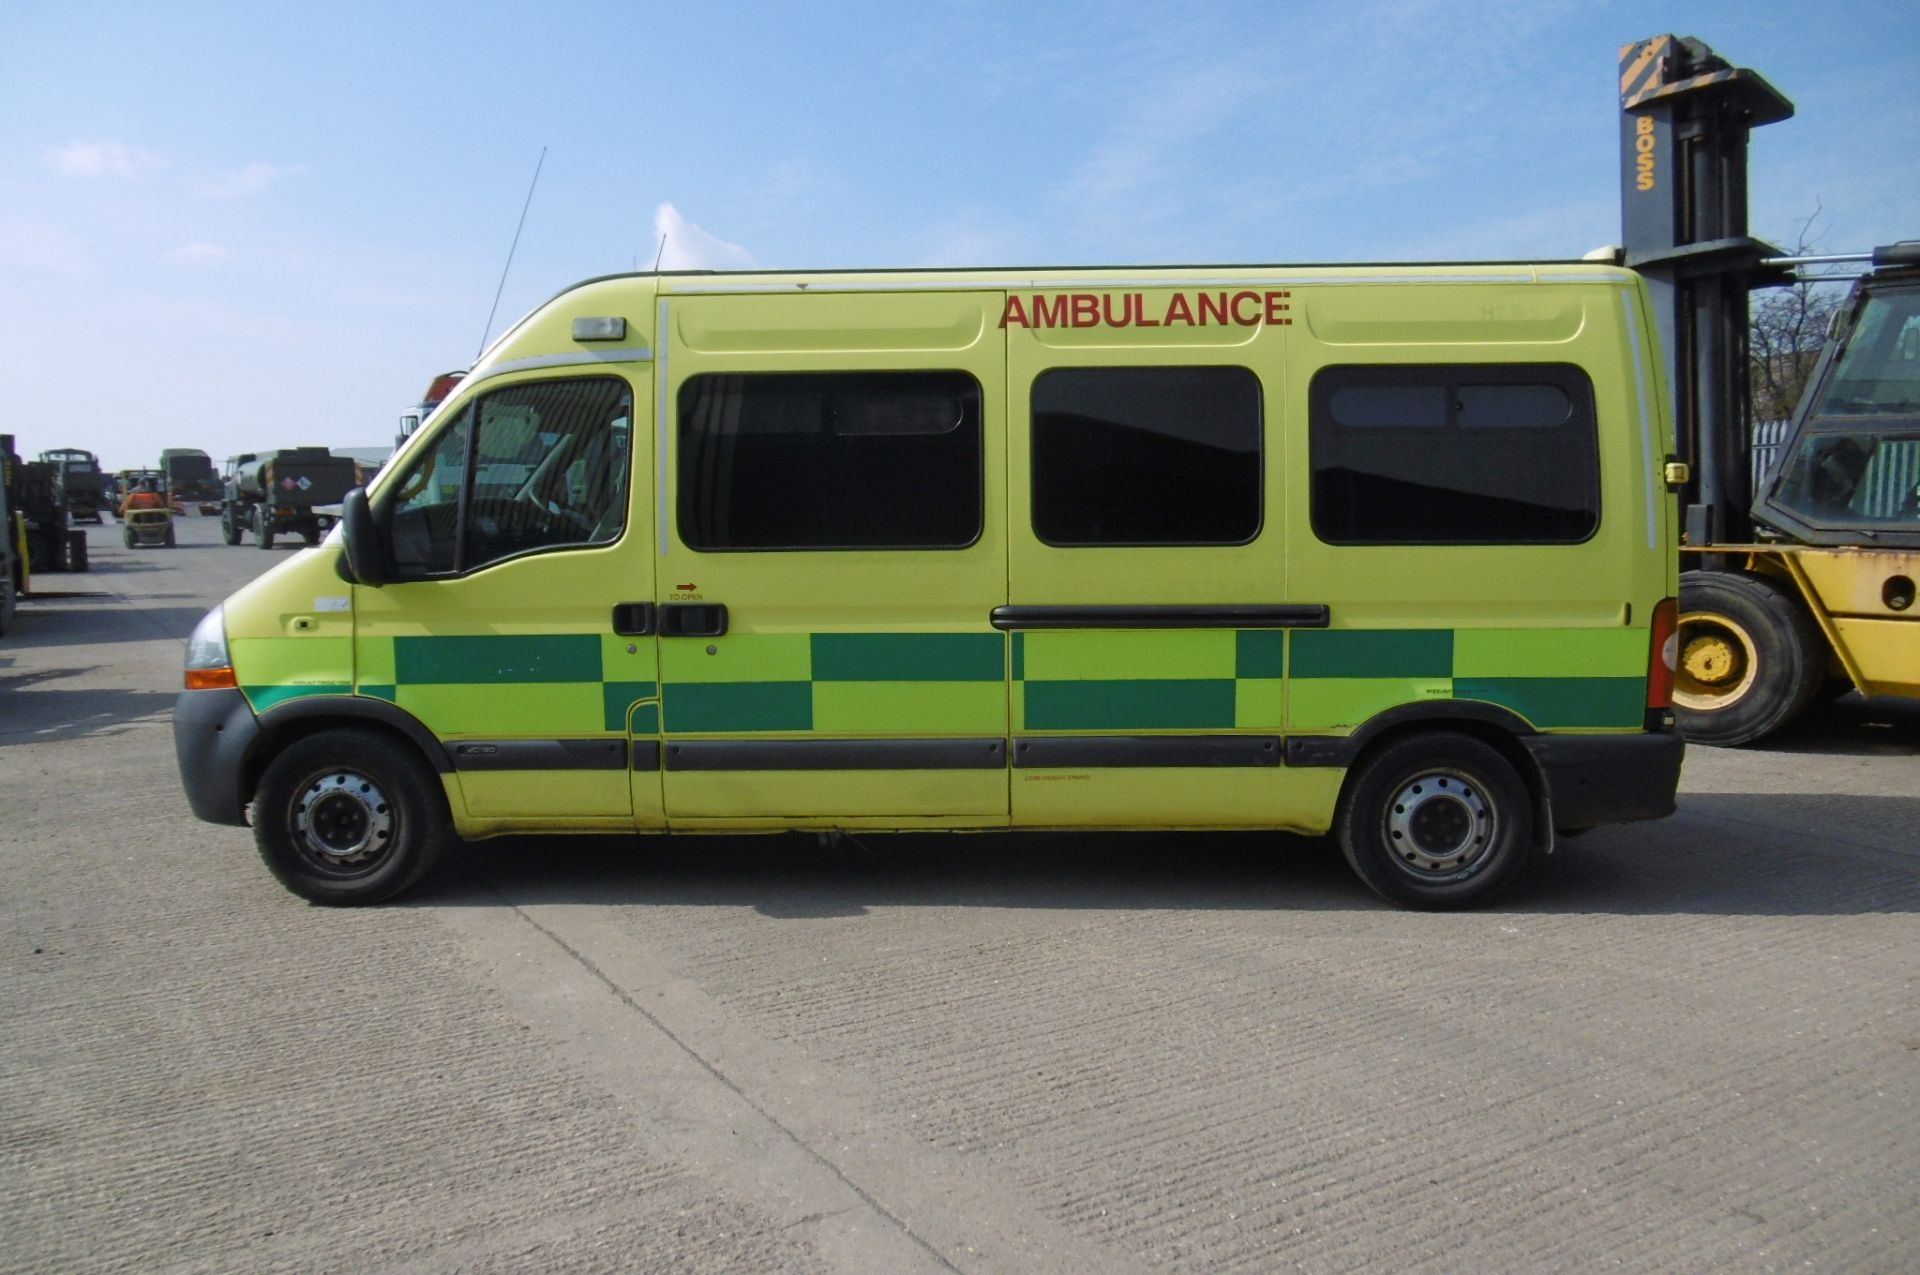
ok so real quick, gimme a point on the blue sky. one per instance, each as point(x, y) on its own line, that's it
point(244, 226)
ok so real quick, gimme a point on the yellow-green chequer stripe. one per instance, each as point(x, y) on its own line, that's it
point(1555, 678)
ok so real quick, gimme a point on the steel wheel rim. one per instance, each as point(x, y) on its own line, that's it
point(343, 822)
point(1715, 666)
point(1440, 823)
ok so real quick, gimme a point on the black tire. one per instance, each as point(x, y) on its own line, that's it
point(169, 541)
point(6, 598)
point(127, 537)
point(262, 527)
point(76, 551)
point(1750, 657)
point(348, 817)
point(1436, 820)
point(229, 529)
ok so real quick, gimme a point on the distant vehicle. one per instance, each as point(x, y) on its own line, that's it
point(79, 474)
point(128, 480)
point(190, 479)
point(268, 493)
point(12, 553)
point(38, 501)
point(437, 391)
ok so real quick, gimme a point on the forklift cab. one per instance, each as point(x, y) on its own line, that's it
point(1851, 468)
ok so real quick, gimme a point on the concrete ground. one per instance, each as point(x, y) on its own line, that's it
point(1684, 1046)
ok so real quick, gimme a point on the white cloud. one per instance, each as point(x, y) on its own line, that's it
point(102, 159)
point(689, 247)
point(255, 177)
point(198, 253)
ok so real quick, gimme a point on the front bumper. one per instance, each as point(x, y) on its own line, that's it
point(1600, 779)
point(212, 733)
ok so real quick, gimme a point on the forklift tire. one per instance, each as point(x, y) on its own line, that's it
point(6, 601)
point(229, 529)
point(76, 551)
point(1750, 657)
point(169, 541)
point(262, 528)
point(126, 537)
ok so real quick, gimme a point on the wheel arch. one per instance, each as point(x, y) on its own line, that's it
point(1501, 729)
point(284, 724)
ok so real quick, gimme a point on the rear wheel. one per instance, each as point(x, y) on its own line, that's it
point(348, 817)
point(1750, 657)
point(1436, 820)
point(262, 527)
point(76, 551)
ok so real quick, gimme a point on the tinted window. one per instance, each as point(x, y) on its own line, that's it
point(1146, 456)
point(1458, 454)
point(830, 460)
point(547, 468)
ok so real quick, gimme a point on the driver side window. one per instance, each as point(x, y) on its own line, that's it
point(533, 466)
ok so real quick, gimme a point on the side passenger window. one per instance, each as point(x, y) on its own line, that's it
point(1454, 454)
point(830, 460)
point(1146, 456)
point(528, 467)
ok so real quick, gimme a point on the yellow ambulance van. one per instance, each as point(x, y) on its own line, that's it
point(1383, 552)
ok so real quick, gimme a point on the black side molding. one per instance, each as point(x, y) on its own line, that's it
point(1294, 616)
point(837, 754)
point(1056, 752)
point(539, 754)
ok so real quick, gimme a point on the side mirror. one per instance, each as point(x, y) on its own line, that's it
point(366, 557)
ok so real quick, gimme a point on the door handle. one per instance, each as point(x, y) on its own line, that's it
point(633, 619)
point(693, 619)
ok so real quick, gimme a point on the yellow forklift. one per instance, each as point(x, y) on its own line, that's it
point(1807, 584)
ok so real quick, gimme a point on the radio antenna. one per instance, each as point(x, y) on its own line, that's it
point(662, 253)
point(510, 251)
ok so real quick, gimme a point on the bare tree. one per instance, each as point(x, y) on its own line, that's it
point(1787, 327)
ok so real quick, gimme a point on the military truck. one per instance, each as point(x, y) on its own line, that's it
point(191, 480)
point(272, 492)
point(79, 475)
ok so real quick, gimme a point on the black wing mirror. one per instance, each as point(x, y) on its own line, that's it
point(366, 559)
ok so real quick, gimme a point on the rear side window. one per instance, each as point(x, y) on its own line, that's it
point(1454, 454)
point(830, 460)
point(1146, 456)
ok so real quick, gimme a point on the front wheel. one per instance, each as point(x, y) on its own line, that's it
point(1436, 820)
point(1750, 658)
point(349, 816)
point(229, 529)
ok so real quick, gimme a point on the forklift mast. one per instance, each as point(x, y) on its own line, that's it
point(1685, 119)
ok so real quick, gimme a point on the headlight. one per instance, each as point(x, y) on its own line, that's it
point(208, 666)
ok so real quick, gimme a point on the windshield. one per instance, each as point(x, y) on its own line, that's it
point(1854, 479)
point(188, 468)
point(1878, 373)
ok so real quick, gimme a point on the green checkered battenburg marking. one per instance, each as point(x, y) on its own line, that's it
point(914, 684)
point(943, 684)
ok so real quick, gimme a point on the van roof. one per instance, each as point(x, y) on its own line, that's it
point(955, 278)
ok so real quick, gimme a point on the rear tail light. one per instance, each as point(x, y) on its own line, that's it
point(1664, 656)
